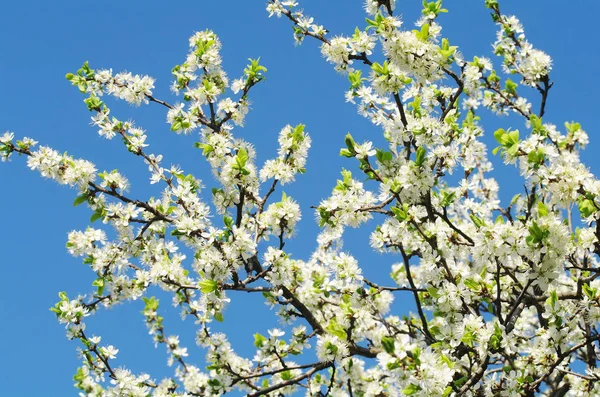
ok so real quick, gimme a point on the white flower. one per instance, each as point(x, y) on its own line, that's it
point(7, 137)
point(110, 352)
point(330, 348)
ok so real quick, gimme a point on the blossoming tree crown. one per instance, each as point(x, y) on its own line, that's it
point(507, 298)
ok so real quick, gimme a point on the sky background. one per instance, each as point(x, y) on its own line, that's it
point(41, 41)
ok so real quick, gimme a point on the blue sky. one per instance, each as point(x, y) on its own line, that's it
point(41, 41)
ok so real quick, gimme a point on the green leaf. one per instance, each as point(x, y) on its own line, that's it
point(355, 79)
point(392, 365)
point(513, 149)
point(472, 284)
point(477, 221)
point(259, 340)
point(206, 148)
point(589, 291)
point(468, 337)
point(344, 184)
point(552, 299)
point(461, 381)
point(447, 391)
point(448, 198)
point(493, 77)
point(345, 153)
point(422, 34)
point(415, 105)
point(420, 156)
point(100, 283)
point(496, 338)
point(513, 137)
point(499, 135)
point(219, 317)
point(587, 207)
point(572, 127)
point(151, 304)
point(349, 141)
point(511, 87)
point(542, 209)
point(433, 292)
point(536, 125)
point(411, 389)
point(298, 132)
point(401, 213)
point(242, 157)
point(471, 120)
point(388, 344)
point(228, 221)
point(347, 177)
point(325, 217)
point(336, 329)
point(536, 157)
point(536, 235)
point(80, 200)
point(254, 71)
point(332, 348)
point(381, 70)
point(509, 141)
point(208, 286)
point(383, 156)
point(96, 215)
point(93, 103)
point(177, 232)
point(447, 51)
point(514, 199)
point(377, 23)
point(434, 7)
point(286, 375)
point(82, 86)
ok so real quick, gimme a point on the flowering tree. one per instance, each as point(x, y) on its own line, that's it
point(507, 299)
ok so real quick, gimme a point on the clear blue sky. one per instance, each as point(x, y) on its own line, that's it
point(40, 41)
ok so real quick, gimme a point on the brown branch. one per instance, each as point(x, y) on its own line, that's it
point(428, 335)
point(382, 288)
point(453, 98)
point(444, 217)
point(476, 377)
point(533, 386)
point(292, 381)
point(152, 99)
